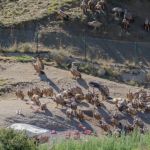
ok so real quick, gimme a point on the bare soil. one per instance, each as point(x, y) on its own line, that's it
point(23, 75)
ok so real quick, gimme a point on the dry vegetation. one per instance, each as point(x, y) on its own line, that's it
point(16, 11)
point(2, 82)
point(19, 11)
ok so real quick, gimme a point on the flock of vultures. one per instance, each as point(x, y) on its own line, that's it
point(98, 7)
point(96, 95)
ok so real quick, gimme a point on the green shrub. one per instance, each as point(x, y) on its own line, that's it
point(88, 68)
point(12, 140)
point(112, 74)
point(23, 58)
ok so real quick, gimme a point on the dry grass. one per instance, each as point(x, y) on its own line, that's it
point(3, 82)
point(56, 4)
point(19, 11)
point(21, 47)
point(14, 12)
point(105, 62)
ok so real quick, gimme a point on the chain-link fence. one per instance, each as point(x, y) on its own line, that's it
point(80, 45)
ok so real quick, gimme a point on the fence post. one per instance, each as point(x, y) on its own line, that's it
point(37, 42)
point(136, 52)
point(135, 46)
point(37, 37)
point(85, 52)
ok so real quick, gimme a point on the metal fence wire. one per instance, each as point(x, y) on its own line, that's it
point(81, 45)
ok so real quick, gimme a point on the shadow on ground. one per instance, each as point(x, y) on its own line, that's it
point(43, 77)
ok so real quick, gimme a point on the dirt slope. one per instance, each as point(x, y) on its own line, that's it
point(22, 74)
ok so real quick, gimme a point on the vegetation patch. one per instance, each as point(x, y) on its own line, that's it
point(112, 74)
point(12, 140)
point(14, 12)
point(23, 58)
point(134, 141)
point(133, 83)
point(55, 5)
point(88, 68)
point(2, 82)
point(21, 48)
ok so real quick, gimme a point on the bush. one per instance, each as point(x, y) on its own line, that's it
point(25, 47)
point(60, 57)
point(12, 140)
point(148, 77)
point(88, 69)
point(112, 74)
point(133, 83)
